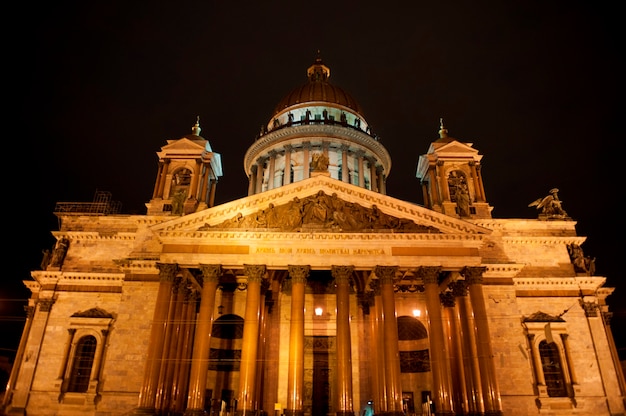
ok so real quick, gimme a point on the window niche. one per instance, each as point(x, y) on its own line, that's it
point(84, 349)
point(550, 357)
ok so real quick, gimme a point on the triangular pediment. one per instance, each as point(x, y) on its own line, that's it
point(183, 146)
point(321, 204)
point(540, 316)
point(453, 147)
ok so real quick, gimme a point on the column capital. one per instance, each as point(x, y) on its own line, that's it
point(45, 304)
point(447, 299)
point(430, 274)
point(299, 274)
point(386, 274)
point(167, 271)
point(590, 308)
point(30, 311)
point(255, 272)
point(473, 274)
point(342, 274)
point(211, 272)
point(459, 288)
point(375, 286)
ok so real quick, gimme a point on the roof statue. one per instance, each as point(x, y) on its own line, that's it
point(550, 206)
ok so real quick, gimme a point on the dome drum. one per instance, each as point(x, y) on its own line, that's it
point(286, 156)
point(317, 128)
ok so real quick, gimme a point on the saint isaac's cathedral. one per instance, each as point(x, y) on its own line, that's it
point(317, 293)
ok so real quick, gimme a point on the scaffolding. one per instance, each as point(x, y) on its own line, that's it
point(101, 205)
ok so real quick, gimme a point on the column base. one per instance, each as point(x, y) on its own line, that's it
point(195, 412)
point(247, 413)
point(288, 412)
point(144, 411)
point(345, 413)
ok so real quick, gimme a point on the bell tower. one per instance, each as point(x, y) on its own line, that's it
point(450, 175)
point(187, 176)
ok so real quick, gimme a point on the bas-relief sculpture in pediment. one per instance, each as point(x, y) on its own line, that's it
point(321, 212)
point(357, 212)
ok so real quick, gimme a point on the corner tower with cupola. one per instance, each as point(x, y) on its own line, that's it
point(187, 175)
point(450, 174)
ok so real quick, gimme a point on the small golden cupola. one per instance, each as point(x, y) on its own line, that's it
point(450, 175)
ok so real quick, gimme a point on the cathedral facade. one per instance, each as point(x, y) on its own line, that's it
point(318, 293)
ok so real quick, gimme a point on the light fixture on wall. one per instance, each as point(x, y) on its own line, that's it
point(318, 311)
point(220, 309)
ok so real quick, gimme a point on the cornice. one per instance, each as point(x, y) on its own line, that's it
point(544, 240)
point(99, 236)
point(77, 278)
point(579, 283)
point(502, 270)
point(522, 225)
point(139, 266)
point(317, 236)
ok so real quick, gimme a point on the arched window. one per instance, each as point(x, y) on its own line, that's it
point(82, 364)
point(552, 369)
point(456, 178)
point(410, 329)
point(225, 355)
point(412, 334)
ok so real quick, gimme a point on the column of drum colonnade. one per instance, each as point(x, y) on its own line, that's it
point(464, 379)
point(255, 183)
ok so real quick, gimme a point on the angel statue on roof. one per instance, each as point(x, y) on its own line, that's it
point(550, 205)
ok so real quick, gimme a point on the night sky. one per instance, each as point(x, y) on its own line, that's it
point(96, 88)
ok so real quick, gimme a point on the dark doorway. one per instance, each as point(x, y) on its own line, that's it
point(321, 376)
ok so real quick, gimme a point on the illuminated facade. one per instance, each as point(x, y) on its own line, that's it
point(318, 293)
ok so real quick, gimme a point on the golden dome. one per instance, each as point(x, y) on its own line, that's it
point(318, 89)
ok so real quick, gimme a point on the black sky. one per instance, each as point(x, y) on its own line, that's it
point(96, 88)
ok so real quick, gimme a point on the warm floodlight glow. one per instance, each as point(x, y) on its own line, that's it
point(318, 311)
point(417, 313)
